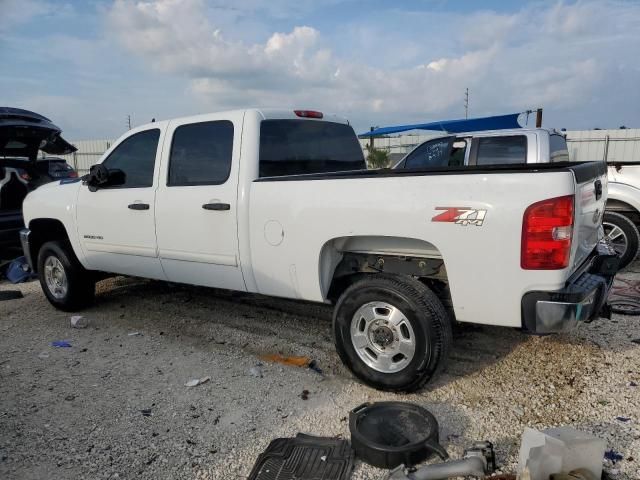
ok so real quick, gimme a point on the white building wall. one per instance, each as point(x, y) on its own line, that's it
point(89, 152)
point(621, 145)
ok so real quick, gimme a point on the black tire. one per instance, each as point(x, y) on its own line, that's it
point(80, 283)
point(630, 233)
point(422, 309)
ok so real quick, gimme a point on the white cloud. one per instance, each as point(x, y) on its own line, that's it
point(533, 57)
point(392, 66)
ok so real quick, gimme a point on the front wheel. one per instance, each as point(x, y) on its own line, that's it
point(64, 281)
point(392, 332)
point(623, 236)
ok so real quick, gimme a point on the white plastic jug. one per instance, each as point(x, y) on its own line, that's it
point(560, 450)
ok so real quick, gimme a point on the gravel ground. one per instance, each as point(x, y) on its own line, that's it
point(114, 405)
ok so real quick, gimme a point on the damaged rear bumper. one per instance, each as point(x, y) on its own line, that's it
point(581, 300)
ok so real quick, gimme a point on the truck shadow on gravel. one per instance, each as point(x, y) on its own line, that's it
point(261, 325)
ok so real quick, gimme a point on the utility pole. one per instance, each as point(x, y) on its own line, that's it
point(129, 121)
point(539, 118)
point(371, 139)
point(466, 103)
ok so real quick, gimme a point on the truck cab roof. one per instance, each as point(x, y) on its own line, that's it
point(264, 113)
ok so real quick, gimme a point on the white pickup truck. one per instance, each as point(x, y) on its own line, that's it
point(280, 203)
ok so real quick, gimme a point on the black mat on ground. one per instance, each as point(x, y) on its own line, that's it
point(10, 295)
point(304, 457)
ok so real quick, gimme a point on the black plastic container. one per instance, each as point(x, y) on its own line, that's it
point(387, 434)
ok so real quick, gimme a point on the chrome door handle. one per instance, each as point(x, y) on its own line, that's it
point(216, 206)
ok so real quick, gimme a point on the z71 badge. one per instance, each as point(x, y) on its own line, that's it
point(461, 216)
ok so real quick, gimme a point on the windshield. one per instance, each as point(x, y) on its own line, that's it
point(294, 147)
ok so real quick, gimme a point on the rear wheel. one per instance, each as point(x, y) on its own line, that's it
point(64, 281)
point(623, 236)
point(392, 332)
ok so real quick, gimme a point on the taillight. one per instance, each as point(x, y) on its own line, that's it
point(546, 234)
point(73, 175)
point(25, 176)
point(308, 113)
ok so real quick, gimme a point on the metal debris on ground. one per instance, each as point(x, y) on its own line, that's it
point(197, 381)
point(478, 461)
point(61, 344)
point(78, 321)
point(134, 334)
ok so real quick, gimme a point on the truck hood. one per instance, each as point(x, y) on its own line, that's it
point(23, 133)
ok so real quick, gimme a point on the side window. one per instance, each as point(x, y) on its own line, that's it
point(558, 151)
point(201, 154)
point(458, 152)
point(434, 153)
point(136, 157)
point(502, 150)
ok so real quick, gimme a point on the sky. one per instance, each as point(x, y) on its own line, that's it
point(89, 64)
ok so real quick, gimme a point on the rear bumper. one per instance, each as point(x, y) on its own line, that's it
point(581, 300)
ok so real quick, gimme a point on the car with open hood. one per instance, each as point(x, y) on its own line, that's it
point(22, 135)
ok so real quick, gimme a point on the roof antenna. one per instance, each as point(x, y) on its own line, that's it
point(153, 120)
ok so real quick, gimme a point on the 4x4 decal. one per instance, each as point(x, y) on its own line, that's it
point(461, 216)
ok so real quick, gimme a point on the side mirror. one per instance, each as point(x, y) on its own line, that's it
point(100, 176)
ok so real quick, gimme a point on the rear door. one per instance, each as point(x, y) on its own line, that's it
point(196, 220)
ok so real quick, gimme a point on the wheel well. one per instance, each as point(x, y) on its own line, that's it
point(624, 208)
point(44, 230)
point(341, 265)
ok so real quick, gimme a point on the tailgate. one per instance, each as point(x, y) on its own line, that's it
point(591, 195)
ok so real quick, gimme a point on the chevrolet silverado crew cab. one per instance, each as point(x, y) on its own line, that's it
point(280, 203)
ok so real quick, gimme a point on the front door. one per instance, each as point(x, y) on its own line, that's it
point(116, 224)
point(196, 207)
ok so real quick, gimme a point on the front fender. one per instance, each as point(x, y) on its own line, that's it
point(623, 192)
point(57, 201)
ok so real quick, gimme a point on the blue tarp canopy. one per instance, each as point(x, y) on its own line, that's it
point(499, 122)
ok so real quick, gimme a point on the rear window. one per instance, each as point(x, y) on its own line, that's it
point(59, 167)
point(502, 150)
point(294, 147)
point(558, 151)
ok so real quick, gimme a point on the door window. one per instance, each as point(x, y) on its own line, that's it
point(558, 151)
point(201, 154)
point(136, 157)
point(434, 153)
point(502, 150)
